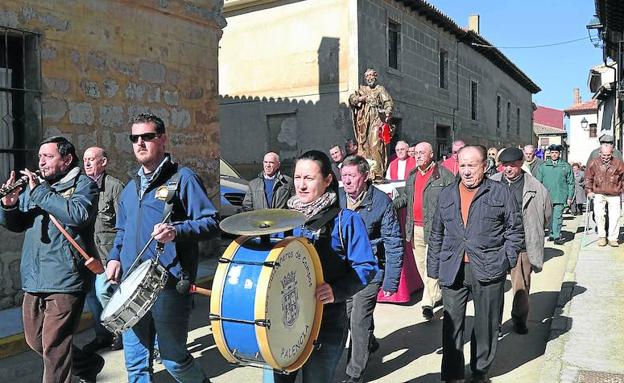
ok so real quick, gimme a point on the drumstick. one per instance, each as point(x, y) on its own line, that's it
point(184, 286)
point(138, 257)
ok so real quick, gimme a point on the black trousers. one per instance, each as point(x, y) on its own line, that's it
point(488, 300)
point(360, 308)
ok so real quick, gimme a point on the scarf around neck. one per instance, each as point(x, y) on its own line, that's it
point(310, 209)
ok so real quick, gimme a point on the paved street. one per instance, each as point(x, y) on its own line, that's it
point(410, 346)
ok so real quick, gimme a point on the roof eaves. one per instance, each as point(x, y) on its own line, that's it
point(470, 38)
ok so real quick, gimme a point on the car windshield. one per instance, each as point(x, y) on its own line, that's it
point(227, 170)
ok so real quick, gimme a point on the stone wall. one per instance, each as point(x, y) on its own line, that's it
point(104, 61)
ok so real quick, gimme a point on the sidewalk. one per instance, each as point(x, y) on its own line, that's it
point(11, 328)
point(587, 334)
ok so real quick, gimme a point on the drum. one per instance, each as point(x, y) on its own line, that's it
point(263, 308)
point(134, 297)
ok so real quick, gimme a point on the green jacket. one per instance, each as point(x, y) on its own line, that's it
point(439, 179)
point(104, 231)
point(558, 179)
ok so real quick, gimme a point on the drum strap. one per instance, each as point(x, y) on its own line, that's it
point(324, 218)
point(172, 188)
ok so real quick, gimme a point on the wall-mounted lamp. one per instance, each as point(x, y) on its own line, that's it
point(584, 123)
point(595, 24)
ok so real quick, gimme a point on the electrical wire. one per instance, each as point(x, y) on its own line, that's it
point(531, 46)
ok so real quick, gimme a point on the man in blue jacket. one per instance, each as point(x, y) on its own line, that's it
point(475, 239)
point(142, 209)
point(54, 278)
point(384, 233)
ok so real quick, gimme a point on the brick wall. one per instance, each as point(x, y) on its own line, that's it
point(104, 61)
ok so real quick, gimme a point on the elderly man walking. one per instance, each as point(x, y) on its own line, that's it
point(536, 209)
point(476, 236)
point(399, 168)
point(452, 163)
point(384, 233)
point(531, 162)
point(420, 195)
point(604, 182)
point(556, 175)
point(271, 189)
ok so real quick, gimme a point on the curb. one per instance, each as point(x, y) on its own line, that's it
point(561, 322)
point(15, 344)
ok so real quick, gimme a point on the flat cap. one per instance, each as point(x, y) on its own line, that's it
point(606, 138)
point(555, 147)
point(510, 155)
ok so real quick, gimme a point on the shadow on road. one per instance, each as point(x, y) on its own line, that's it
point(515, 350)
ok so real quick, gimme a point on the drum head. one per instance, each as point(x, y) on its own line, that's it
point(286, 298)
point(125, 290)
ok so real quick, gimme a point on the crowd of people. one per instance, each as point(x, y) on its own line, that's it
point(471, 220)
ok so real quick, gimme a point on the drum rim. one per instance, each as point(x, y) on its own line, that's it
point(262, 335)
point(218, 285)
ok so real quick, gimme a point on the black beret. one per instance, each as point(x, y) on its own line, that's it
point(555, 147)
point(510, 155)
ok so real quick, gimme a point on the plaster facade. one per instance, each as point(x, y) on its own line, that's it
point(104, 61)
point(287, 68)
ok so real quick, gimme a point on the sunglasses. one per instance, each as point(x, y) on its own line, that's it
point(145, 137)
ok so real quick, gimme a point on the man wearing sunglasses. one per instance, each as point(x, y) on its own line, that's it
point(159, 187)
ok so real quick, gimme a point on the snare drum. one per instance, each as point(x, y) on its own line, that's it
point(263, 308)
point(134, 297)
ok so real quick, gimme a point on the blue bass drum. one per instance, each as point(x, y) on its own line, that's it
point(263, 308)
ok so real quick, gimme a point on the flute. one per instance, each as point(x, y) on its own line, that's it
point(23, 180)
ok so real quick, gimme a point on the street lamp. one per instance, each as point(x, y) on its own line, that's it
point(584, 123)
point(595, 23)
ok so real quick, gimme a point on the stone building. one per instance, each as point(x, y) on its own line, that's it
point(82, 69)
point(287, 69)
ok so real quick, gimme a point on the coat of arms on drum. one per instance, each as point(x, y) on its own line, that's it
point(290, 299)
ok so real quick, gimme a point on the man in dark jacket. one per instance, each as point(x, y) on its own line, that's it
point(161, 186)
point(384, 233)
point(475, 240)
point(604, 182)
point(54, 279)
point(95, 162)
point(271, 189)
point(420, 195)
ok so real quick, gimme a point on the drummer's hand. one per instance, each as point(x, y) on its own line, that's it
point(164, 232)
point(11, 198)
point(33, 181)
point(324, 293)
point(113, 271)
point(387, 293)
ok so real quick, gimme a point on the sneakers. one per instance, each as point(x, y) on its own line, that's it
point(613, 243)
point(602, 242)
point(97, 344)
point(427, 312)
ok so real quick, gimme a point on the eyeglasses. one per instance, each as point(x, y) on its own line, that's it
point(145, 137)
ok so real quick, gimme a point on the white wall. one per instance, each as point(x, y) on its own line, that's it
point(581, 145)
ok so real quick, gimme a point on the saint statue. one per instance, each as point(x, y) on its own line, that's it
point(372, 108)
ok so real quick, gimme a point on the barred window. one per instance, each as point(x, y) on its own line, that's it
point(20, 99)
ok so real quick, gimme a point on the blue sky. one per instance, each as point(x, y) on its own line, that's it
point(512, 23)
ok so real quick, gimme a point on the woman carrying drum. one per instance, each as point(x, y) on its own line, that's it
point(339, 237)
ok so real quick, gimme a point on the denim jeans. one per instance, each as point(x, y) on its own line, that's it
point(321, 366)
point(97, 298)
point(169, 320)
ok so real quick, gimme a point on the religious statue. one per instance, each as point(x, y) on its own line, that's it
point(372, 108)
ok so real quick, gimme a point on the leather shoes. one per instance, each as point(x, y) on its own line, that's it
point(427, 312)
point(351, 379)
point(613, 243)
point(520, 328)
point(88, 370)
point(97, 344)
point(559, 241)
point(117, 343)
